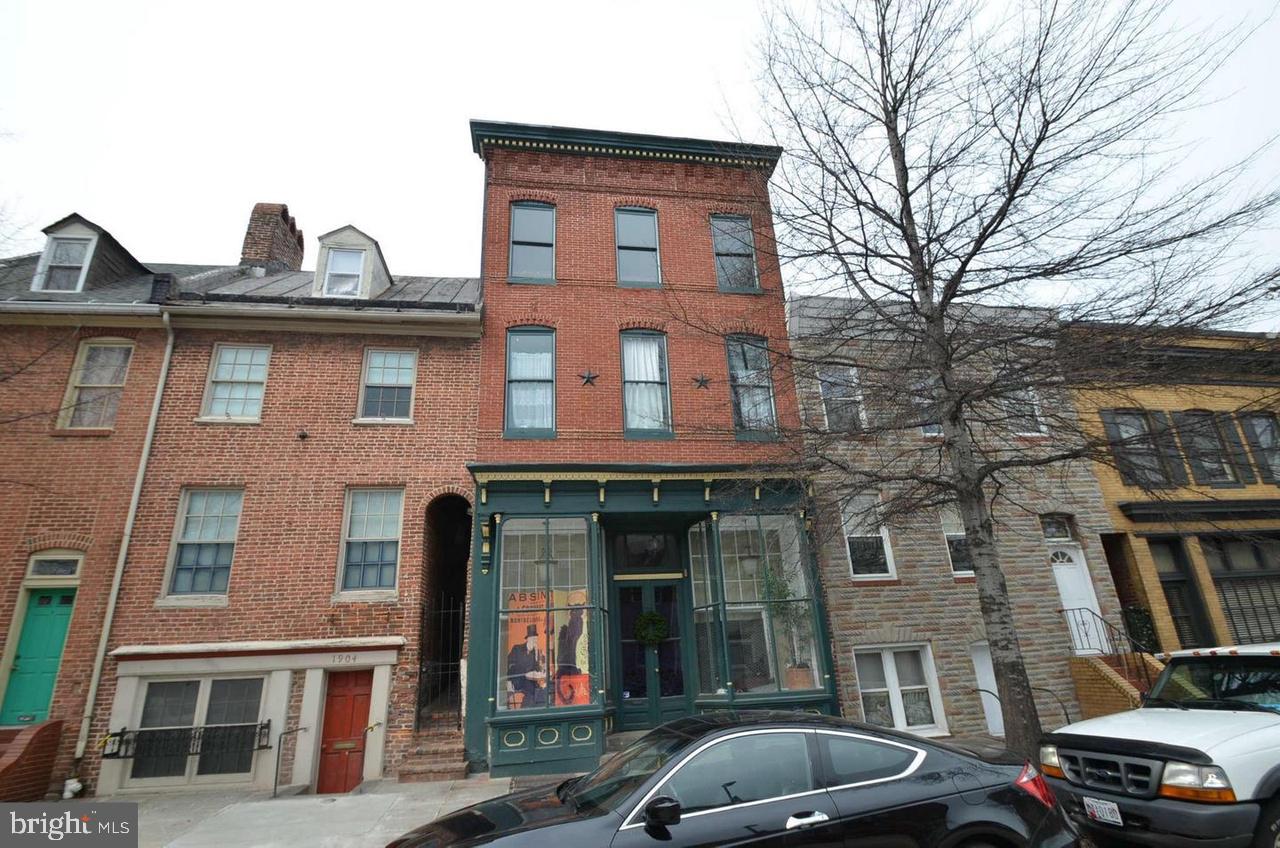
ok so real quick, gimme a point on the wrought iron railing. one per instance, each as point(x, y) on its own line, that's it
point(1093, 634)
point(126, 744)
point(440, 668)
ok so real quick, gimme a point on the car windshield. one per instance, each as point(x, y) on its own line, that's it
point(1219, 683)
point(610, 785)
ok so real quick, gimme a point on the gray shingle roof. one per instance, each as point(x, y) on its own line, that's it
point(448, 293)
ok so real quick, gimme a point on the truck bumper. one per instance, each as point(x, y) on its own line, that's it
point(1162, 822)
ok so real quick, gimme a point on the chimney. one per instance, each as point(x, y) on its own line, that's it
point(273, 240)
point(161, 288)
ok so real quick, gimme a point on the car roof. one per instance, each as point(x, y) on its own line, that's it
point(1265, 649)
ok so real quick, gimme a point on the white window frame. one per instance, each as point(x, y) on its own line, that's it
point(379, 594)
point(943, 512)
point(71, 397)
point(190, 777)
point(328, 271)
point(939, 726)
point(855, 382)
point(205, 413)
point(364, 387)
point(168, 598)
point(1037, 409)
point(885, 540)
point(42, 269)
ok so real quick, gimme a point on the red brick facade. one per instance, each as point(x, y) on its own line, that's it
point(66, 489)
point(588, 309)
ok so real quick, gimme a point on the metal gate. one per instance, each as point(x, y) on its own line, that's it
point(440, 665)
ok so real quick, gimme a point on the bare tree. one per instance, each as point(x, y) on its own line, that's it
point(986, 194)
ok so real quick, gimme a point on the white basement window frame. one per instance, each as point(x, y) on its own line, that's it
point(889, 685)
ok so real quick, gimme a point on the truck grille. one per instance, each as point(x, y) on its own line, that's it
point(1112, 773)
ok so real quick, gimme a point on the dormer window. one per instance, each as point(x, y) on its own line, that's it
point(342, 278)
point(63, 265)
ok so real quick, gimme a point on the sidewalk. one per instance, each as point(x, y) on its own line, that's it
point(370, 819)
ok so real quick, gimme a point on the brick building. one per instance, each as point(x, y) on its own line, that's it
point(82, 347)
point(1191, 491)
point(628, 423)
point(908, 638)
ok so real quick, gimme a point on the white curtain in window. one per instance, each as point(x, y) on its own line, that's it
point(645, 372)
point(532, 388)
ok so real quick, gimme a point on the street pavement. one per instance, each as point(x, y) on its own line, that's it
point(370, 817)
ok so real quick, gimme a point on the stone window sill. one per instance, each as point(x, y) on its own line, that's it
point(367, 596)
point(191, 601)
point(215, 419)
point(876, 580)
point(965, 577)
point(365, 422)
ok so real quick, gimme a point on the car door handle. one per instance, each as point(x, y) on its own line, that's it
point(806, 820)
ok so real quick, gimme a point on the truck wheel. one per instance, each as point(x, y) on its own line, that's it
point(1267, 834)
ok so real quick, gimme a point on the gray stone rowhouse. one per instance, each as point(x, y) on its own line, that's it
point(923, 603)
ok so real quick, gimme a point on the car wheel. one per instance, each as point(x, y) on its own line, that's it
point(1268, 833)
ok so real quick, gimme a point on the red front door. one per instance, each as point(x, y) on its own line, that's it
point(346, 714)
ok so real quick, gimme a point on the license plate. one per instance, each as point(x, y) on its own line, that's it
point(1103, 811)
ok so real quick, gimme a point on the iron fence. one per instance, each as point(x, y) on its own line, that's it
point(440, 668)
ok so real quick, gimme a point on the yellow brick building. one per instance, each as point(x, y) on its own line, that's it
point(1192, 485)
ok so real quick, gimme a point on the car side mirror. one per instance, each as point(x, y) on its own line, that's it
point(662, 810)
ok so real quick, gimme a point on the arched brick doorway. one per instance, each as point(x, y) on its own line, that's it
point(444, 596)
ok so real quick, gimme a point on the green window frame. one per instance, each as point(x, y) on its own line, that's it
point(755, 618)
point(530, 383)
point(547, 597)
point(646, 387)
point(531, 256)
point(635, 231)
point(751, 388)
point(733, 242)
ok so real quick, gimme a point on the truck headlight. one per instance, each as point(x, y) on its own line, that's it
point(1049, 763)
point(1189, 782)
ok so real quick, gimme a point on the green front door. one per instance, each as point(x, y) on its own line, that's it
point(651, 676)
point(35, 667)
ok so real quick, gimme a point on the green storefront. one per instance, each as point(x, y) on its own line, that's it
point(610, 598)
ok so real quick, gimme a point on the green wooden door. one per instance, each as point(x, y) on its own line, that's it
point(652, 677)
point(35, 667)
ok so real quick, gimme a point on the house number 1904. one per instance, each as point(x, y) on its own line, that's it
point(344, 659)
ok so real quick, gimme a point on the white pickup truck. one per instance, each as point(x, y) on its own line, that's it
point(1198, 764)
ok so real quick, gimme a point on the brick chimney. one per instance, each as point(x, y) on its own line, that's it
point(273, 240)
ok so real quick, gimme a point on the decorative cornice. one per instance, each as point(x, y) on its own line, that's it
point(582, 142)
point(1146, 512)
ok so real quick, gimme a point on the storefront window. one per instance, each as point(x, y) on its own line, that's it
point(544, 620)
point(767, 611)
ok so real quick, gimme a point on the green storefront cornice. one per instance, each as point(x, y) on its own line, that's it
point(584, 142)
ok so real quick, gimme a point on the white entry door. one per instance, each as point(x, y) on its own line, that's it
point(1075, 590)
point(985, 674)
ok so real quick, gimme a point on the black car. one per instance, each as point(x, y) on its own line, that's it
point(766, 779)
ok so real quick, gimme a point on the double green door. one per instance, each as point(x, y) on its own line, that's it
point(652, 681)
point(35, 666)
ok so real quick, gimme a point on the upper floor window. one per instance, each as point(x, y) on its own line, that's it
point(387, 392)
point(866, 539)
point(237, 381)
point(1263, 434)
point(531, 382)
point(751, 385)
point(97, 381)
point(343, 271)
point(841, 398)
point(636, 234)
point(533, 242)
point(1144, 449)
point(1022, 410)
point(64, 264)
point(957, 542)
point(1213, 448)
point(1057, 527)
point(206, 541)
point(371, 553)
point(645, 398)
point(924, 399)
point(735, 251)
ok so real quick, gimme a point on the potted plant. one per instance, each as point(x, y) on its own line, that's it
point(796, 622)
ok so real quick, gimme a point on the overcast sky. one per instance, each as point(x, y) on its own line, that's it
point(165, 122)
